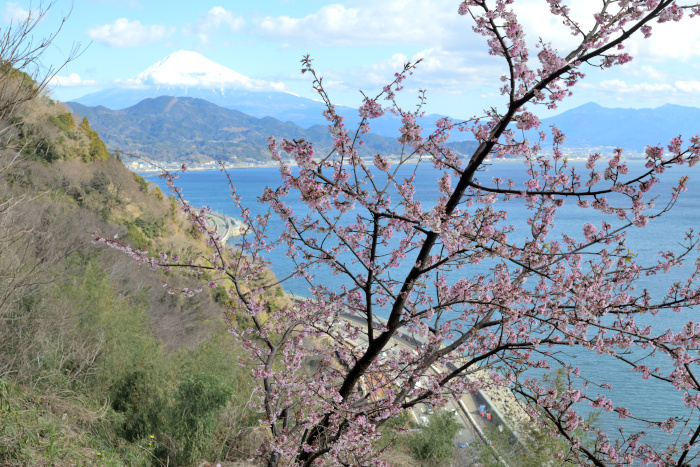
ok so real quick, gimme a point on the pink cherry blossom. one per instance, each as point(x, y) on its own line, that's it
point(428, 295)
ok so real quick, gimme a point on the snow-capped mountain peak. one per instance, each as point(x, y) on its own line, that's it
point(190, 69)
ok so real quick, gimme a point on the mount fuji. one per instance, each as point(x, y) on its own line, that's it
point(184, 69)
point(189, 74)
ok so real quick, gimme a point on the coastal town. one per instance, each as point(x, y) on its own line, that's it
point(142, 166)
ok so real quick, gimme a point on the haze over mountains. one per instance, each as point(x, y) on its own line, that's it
point(592, 125)
point(221, 113)
point(194, 130)
point(189, 74)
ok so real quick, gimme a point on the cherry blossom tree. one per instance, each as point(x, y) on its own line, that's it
point(461, 285)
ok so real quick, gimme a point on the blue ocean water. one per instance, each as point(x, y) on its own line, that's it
point(209, 188)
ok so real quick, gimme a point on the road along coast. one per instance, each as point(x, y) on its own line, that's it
point(478, 413)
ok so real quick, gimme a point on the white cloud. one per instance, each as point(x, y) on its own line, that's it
point(453, 71)
point(434, 23)
point(440, 71)
point(125, 33)
point(72, 80)
point(212, 21)
point(430, 23)
point(370, 22)
point(669, 41)
point(218, 16)
point(690, 87)
point(456, 59)
point(14, 13)
point(538, 22)
point(621, 87)
point(644, 72)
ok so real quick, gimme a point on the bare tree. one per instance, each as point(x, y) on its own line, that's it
point(25, 240)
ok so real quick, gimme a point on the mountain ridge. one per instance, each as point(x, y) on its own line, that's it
point(592, 125)
point(174, 76)
point(195, 130)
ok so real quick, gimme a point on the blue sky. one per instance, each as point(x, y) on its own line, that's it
point(355, 44)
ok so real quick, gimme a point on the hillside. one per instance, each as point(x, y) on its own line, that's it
point(196, 130)
point(99, 364)
point(186, 129)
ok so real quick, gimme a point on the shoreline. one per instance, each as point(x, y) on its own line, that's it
point(636, 157)
point(204, 169)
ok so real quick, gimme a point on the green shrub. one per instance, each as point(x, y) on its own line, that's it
point(220, 295)
point(97, 151)
point(99, 182)
point(158, 194)
point(64, 122)
point(141, 182)
point(136, 237)
point(192, 415)
point(152, 228)
point(137, 397)
point(435, 442)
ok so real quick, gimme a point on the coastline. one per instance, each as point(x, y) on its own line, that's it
point(570, 158)
point(203, 169)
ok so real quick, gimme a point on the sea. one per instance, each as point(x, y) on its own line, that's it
point(644, 398)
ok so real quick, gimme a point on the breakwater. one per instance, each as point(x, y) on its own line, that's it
point(226, 226)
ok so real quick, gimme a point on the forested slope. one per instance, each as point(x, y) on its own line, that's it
point(98, 363)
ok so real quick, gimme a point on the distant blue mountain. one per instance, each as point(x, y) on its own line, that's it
point(587, 126)
point(189, 74)
point(283, 106)
point(195, 130)
point(280, 105)
point(592, 125)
